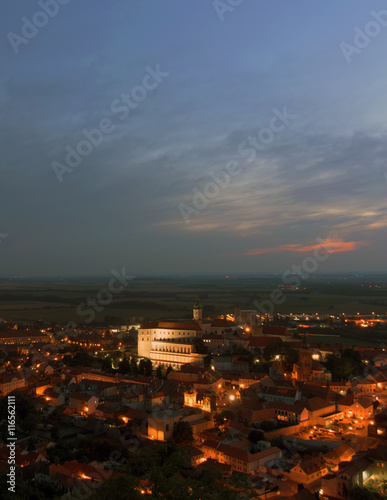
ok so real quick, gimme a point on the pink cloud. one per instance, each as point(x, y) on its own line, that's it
point(331, 245)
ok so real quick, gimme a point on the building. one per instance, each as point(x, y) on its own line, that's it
point(172, 343)
point(161, 424)
point(23, 337)
point(11, 382)
point(240, 460)
point(307, 368)
point(81, 403)
point(206, 400)
point(308, 471)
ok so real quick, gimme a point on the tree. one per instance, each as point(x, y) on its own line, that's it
point(222, 417)
point(107, 366)
point(280, 349)
point(133, 366)
point(148, 367)
point(124, 366)
point(255, 436)
point(55, 433)
point(182, 433)
point(31, 422)
point(267, 425)
point(169, 370)
point(159, 372)
point(142, 367)
point(119, 489)
point(200, 347)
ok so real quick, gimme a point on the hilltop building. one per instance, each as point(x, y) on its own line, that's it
point(172, 342)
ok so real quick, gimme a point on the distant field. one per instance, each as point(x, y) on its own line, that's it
point(163, 298)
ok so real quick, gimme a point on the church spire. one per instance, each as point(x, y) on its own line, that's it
point(197, 309)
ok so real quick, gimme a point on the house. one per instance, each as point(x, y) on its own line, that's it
point(53, 397)
point(367, 386)
point(240, 460)
point(342, 453)
point(308, 471)
point(360, 408)
point(293, 414)
point(317, 408)
point(283, 394)
point(161, 424)
point(340, 387)
point(83, 404)
point(11, 382)
point(356, 472)
point(379, 457)
point(257, 344)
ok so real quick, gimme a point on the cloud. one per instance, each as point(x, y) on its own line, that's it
point(330, 245)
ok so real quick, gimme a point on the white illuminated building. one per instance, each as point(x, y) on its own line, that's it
point(172, 342)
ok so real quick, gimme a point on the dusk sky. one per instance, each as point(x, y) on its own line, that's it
point(202, 83)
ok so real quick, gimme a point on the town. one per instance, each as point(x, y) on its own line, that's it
point(165, 408)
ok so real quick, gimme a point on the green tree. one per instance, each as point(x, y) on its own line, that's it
point(148, 367)
point(133, 366)
point(182, 433)
point(124, 366)
point(141, 367)
point(124, 487)
point(107, 365)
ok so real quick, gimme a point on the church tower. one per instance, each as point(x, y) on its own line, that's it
point(305, 360)
point(197, 310)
